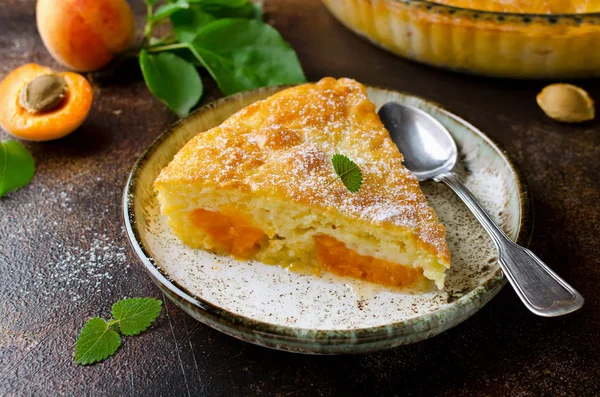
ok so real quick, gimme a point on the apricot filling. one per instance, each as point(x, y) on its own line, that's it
point(334, 256)
point(230, 230)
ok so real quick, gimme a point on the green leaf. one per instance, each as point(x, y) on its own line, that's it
point(257, 11)
point(161, 41)
point(134, 315)
point(96, 342)
point(167, 10)
point(249, 11)
point(221, 3)
point(16, 166)
point(229, 8)
point(171, 79)
point(154, 41)
point(186, 54)
point(348, 172)
point(187, 23)
point(244, 54)
point(151, 2)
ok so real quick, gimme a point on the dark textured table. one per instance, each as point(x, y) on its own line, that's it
point(64, 256)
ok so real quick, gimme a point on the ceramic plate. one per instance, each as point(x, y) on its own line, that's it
point(278, 308)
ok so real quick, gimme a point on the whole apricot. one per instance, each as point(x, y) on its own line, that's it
point(84, 35)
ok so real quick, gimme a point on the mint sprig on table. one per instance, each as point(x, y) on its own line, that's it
point(16, 166)
point(347, 171)
point(225, 37)
point(100, 339)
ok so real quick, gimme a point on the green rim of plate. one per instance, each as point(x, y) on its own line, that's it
point(314, 341)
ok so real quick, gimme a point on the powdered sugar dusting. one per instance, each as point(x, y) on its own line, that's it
point(79, 270)
point(283, 146)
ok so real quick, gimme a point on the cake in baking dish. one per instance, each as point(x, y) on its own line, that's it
point(502, 38)
point(257, 187)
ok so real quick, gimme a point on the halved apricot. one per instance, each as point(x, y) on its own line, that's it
point(25, 114)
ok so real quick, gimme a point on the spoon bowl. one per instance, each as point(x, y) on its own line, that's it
point(427, 146)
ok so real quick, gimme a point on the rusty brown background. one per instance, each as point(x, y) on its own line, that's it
point(64, 256)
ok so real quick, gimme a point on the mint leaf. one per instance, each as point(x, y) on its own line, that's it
point(244, 54)
point(96, 342)
point(16, 166)
point(347, 171)
point(134, 315)
point(172, 79)
point(99, 339)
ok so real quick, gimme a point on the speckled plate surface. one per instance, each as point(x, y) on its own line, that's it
point(277, 308)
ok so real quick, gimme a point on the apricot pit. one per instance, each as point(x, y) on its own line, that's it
point(566, 103)
point(43, 93)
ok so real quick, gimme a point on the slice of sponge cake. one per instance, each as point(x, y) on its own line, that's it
point(257, 186)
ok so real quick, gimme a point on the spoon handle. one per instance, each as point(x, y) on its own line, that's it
point(540, 289)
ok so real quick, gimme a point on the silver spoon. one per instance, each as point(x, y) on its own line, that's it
point(430, 153)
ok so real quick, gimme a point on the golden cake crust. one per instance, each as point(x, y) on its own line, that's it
point(282, 147)
point(528, 6)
